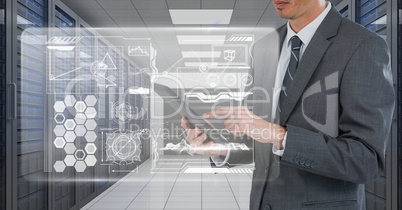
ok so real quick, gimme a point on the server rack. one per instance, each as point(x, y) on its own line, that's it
point(86, 54)
point(81, 193)
point(103, 123)
point(31, 103)
point(124, 167)
point(134, 81)
point(63, 187)
point(372, 14)
point(345, 9)
point(146, 142)
point(113, 96)
point(397, 64)
point(3, 116)
point(131, 83)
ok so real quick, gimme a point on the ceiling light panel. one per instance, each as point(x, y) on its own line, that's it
point(204, 16)
point(201, 54)
point(201, 39)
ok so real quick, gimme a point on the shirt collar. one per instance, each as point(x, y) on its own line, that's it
point(307, 33)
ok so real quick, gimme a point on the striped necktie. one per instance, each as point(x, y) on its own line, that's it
point(291, 70)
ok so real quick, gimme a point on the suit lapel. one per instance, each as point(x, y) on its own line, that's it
point(310, 60)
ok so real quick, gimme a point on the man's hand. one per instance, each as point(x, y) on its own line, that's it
point(240, 121)
point(199, 141)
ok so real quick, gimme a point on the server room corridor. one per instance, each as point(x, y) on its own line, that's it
point(103, 103)
point(177, 190)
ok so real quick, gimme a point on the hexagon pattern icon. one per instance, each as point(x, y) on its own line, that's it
point(80, 130)
point(80, 118)
point(90, 160)
point(59, 166)
point(82, 125)
point(59, 142)
point(90, 112)
point(80, 106)
point(80, 166)
point(90, 100)
point(90, 148)
point(59, 118)
point(59, 130)
point(70, 148)
point(79, 154)
point(70, 136)
point(59, 106)
point(70, 124)
point(70, 100)
point(90, 124)
point(90, 136)
point(70, 160)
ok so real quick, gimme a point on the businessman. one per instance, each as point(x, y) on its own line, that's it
point(326, 130)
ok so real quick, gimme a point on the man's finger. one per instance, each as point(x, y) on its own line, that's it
point(184, 123)
point(229, 124)
point(234, 128)
point(220, 113)
point(227, 111)
point(198, 131)
point(201, 139)
point(191, 135)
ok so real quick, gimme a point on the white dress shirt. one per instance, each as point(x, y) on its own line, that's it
point(305, 35)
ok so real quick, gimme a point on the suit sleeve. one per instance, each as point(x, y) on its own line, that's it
point(366, 98)
point(239, 157)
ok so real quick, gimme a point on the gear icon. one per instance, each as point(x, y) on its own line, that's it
point(123, 148)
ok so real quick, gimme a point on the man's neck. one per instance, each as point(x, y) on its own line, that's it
point(299, 23)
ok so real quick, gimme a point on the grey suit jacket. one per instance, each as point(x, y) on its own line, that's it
point(338, 116)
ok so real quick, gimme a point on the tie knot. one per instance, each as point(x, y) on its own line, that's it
point(296, 43)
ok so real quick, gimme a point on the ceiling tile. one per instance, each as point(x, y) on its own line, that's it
point(154, 13)
point(91, 13)
point(244, 22)
point(246, 13)
point(129, 22)
point(252, 4)
point(137, 32)
point(150, 4)
point(116, 4)
point(101, 22)
point(184, 4)
point(80, 4)
point(126, 20)
point(158, 22)
point(117, 13)
point(217, 4)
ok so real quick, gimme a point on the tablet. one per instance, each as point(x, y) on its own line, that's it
point(193, 117)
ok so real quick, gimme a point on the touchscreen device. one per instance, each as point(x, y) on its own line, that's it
point(193, 117)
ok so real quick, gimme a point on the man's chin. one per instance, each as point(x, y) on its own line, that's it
point(281, 14)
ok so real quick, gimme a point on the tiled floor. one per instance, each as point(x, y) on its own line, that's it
point(173, 191)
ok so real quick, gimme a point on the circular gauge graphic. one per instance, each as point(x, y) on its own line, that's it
point(203, 68)
point(98, 68)
point(213, 80)
point(123, 148)
point(230, 80)
point(247, 79)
